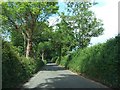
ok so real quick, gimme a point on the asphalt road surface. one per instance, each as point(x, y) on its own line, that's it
point(54, 76)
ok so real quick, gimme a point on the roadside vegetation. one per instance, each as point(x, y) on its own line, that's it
point(29, 41)
point(23, 30)
point(98, 62)
point(16, 69)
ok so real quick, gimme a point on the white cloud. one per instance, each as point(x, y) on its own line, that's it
point(108, 12)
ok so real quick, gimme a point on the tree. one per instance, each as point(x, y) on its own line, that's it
point(43, 47)
point(23, 17)
point(63, 39)
point(84, 22)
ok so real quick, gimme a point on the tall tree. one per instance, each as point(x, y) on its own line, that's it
point(63, 39)
point(84, 22)
point(23, 17)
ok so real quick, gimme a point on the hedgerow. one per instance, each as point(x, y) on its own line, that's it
point(16, 69)
point(99, 62)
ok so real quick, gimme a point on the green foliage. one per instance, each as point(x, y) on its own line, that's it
point(25, 18)
point(16, 38)
point(18, 41)
point(16, 69)
point(62, 38)
point(99, 62)
point(45, 61)
point(65, 60)
point(26, 24)
point(84, 22)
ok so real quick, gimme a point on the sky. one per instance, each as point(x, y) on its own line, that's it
point(107, 11)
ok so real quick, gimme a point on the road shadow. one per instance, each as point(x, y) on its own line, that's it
point(52, 67)
point(68, 81)
point(65, 79)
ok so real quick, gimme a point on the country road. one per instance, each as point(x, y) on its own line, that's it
point(53, 76)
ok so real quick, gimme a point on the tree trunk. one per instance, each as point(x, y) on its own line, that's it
point(29, 47)
point(42, 55)
point(24, 47)
point(60, 53)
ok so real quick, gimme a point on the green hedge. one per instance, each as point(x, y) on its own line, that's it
point(99, 62)
point(16, 69)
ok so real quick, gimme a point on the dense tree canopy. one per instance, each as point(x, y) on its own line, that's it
point(33, 41)
point(25, 17)
point(30, 30)
point(84, 22)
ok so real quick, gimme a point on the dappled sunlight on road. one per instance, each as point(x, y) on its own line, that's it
point(53, 76)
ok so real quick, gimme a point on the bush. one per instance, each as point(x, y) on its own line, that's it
point(16, 69)
point(99, 62)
